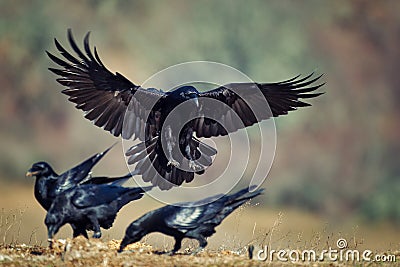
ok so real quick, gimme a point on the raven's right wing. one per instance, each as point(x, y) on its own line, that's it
point(102, 95)
point(95, 195)
point(92, 195)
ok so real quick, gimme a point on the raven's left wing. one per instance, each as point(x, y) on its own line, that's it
point(80, 173)
point(108, 180)
point(244, 104)
point(185, 218)
point(103, 96)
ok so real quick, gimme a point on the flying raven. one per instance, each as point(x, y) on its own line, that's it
point(49, 184)
point(192, 219)
point(89, 207)
point(125, 109)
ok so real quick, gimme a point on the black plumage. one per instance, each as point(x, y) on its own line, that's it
point(49, 184)
point(192, 219)
point(89, 207)
point(119, 106)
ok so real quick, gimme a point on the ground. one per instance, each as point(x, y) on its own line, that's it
point(82, 252)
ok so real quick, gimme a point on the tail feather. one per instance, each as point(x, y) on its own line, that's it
point(203, 147)
point(141, 150)
point(233, 202)
point(133, 194)
point(244, 194)
point(154, 166)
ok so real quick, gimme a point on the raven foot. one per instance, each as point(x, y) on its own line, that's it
point(194, 166)
point(196, 251)
point(173, 163)
point(96, 235)
point(168, 253)
point(51, 242)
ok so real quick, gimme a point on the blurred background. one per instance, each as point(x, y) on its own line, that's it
point(336, 168)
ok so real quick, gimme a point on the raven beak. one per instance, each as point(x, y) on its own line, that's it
point(196, 101)
point(31, 173)
point(123, 244)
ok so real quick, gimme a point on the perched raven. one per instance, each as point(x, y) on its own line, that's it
point(119, 106)
point(89, 207)
point(193, 219)
point(49, 184)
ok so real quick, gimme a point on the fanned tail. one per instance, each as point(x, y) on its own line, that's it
point(152, 163)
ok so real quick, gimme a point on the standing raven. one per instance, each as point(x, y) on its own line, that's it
point(89, 207)
point(119, 106)
point(192, 219)
point(49, 184)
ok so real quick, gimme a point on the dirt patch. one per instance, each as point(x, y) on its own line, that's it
point(93, 252)
point(82, 252)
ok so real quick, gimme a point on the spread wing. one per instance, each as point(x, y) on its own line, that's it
point(244, 104)
point(105, 97)
point(80, 173)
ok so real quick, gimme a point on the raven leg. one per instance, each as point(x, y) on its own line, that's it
point(190, 151)
point(177, 246)
point(50, 240)
point(79, 230)
point(96, 226)
point(202, 244)
point(51, 231)
point(170, 146)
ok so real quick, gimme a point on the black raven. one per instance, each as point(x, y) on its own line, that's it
point(119, 106)
point(89, 207)
point(49, 184)
point(192, 219)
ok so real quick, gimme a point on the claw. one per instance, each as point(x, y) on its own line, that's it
point(97, 235)
point(173, 163)
point(51, 241)
point(194, 166)
point(168, 253)
point(197, 250)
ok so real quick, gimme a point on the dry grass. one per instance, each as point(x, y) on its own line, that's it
point(82, 252)
point(23, 237)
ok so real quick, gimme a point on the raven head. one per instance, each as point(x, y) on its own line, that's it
point(185, 93)
point(40, 169)
point(133, 234)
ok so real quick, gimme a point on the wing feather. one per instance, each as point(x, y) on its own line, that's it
point(250, 102)
point(102, 95)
